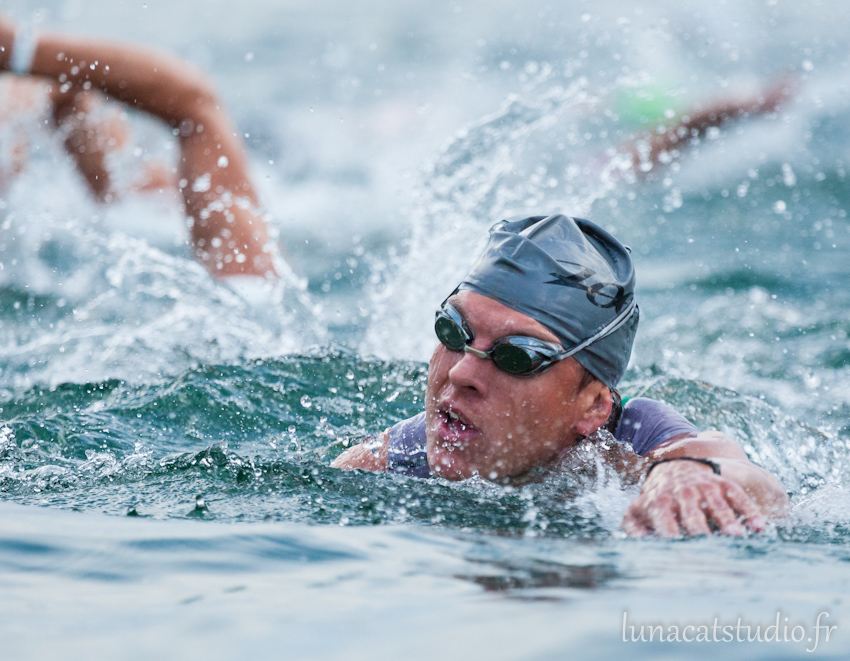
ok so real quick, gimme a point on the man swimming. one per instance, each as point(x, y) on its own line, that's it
point(533, 342)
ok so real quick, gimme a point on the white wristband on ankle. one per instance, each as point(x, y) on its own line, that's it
point(23, 51)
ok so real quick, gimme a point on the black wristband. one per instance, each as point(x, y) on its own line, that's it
point(708, 462)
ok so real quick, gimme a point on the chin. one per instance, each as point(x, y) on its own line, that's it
point(449, 465)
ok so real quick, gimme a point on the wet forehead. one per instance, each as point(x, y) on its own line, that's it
point(491, 319)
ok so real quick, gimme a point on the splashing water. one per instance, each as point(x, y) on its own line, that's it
point(133, 385)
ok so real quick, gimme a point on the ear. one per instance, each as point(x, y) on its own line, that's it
point(598, 409)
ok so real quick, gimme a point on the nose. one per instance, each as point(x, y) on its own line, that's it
point(472, 370)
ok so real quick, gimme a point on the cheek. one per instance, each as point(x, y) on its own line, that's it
point(441, 362)
point(516, 418)
point(438, 369)
point(537, 415)
point(526, 401)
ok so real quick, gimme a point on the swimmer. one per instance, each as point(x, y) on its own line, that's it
point(668, 142)
point(91, 132)
point(228, 233)
point(532, 345)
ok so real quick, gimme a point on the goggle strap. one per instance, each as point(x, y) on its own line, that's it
point(615, 324)
point(607, 330)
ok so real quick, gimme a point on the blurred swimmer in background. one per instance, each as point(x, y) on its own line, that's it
point(67, 79)
point(91, 132)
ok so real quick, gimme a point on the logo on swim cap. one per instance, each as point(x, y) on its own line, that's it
point(601, 294)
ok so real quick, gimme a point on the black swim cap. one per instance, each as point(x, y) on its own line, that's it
point(571, 276)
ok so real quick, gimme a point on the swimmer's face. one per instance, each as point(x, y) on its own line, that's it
point(481, 420)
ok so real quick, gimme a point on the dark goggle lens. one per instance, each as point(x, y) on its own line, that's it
point(514, 355)
point(449, 333)
point(515, 360)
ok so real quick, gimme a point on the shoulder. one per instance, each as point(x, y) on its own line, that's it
point(643, 405)
point(371, 455)
point(645, 423)
point(406, 445)
point(400, 449)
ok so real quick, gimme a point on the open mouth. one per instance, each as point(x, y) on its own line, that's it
point(454, 425)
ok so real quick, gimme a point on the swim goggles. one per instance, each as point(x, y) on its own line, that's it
point(519, 355)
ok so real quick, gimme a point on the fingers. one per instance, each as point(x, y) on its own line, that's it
point(725, 519)
point(692, 516)
point(634, 526)
point(635, 522)
point(664, 519)
point(713, 503)
point(635, 529)
point(652, 515)
point(745, 507)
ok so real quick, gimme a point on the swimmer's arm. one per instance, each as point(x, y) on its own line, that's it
point(685, 496)
point(229, 235)
point(675, 138)
point(92, 135)
point(88, 141)
point(365, 456)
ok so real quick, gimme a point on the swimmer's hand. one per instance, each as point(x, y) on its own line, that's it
point(682, 498)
